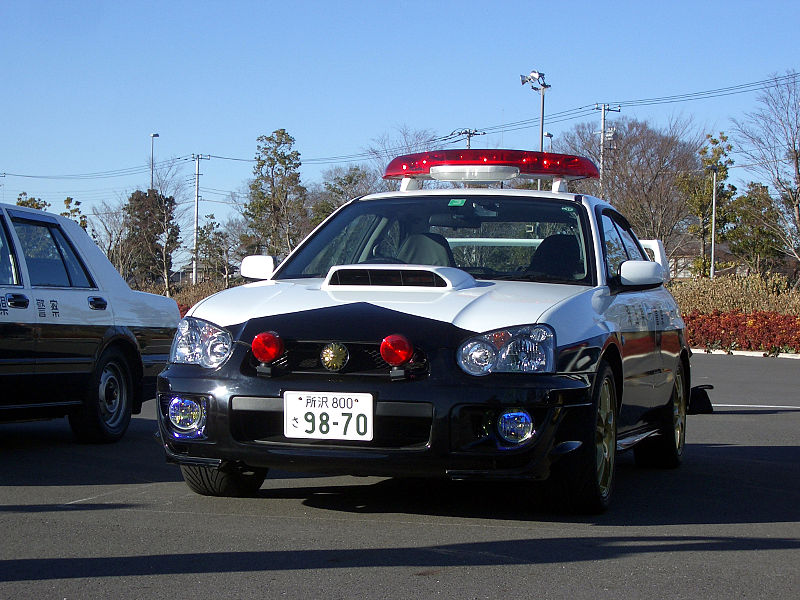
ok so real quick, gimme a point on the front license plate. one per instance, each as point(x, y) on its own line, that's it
point(327, 415)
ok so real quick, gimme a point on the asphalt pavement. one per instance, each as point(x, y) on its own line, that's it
point(116, 521)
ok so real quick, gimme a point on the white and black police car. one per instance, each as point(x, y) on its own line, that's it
point(75, 340)
point(460, 333)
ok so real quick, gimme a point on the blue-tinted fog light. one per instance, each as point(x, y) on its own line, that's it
point(187, 415)
point(515, 426)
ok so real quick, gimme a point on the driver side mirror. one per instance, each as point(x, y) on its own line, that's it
point(640, 273)
point(258, 267)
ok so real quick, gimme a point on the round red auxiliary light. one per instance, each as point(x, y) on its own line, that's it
point(396, 350)
point(267, 346)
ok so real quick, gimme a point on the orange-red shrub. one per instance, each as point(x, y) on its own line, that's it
point(765, 331)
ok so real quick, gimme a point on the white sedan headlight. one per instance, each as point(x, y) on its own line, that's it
point(527, 349)
point(199, 342)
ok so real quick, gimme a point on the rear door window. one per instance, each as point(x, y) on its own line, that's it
point(51, 260)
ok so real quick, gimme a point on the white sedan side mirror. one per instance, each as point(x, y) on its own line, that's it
point(258, 266)
point(640, 272)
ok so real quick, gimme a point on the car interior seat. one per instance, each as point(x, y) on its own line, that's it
point(426, 249)
point(557, 256)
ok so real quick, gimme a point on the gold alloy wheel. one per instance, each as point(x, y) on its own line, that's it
point(605, 437)
point(679, 411)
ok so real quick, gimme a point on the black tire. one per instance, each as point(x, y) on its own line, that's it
point(583, 480)
point(236, 483)
point(106, 411)
point(665, 449)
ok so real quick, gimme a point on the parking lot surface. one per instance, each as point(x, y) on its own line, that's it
point(99, 521)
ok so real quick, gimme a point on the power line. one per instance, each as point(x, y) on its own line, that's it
point(716, 93)
point(452, 138)
point(124, 172)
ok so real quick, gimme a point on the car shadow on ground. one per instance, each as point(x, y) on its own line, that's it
point(46, 453)
point(430, 560)
point(716, 484)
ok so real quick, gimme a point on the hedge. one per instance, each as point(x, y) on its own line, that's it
point(740, 313)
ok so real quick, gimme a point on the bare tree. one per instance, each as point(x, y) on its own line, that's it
point(109, 229)
point(770, 138)
point(170, 179)
point(640, 172)
point(343, 183)
point(389, 145)
point(340, 185)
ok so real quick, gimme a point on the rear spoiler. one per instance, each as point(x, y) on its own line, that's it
point(659, 255)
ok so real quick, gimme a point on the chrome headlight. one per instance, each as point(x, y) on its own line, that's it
point(199, 342)
point(527, 349)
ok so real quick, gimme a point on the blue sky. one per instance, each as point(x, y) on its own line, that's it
point(85, 83)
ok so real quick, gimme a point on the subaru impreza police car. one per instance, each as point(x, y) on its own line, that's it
point(461, 333)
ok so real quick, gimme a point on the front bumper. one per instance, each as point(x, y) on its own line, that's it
point(425, 428)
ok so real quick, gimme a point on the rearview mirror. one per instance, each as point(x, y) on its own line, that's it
point(455, 221)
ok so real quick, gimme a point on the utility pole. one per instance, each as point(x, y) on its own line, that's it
point(604, 108)
point(713, 215)
point(469, 133)
point(197, 158)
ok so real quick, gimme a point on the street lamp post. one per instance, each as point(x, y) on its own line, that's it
point(549, 137)
point(153, 136)
point(713, 214)
point(536, 79)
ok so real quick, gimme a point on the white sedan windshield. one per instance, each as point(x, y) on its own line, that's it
point(490, 237)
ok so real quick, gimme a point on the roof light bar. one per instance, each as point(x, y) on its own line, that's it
point(489, 165)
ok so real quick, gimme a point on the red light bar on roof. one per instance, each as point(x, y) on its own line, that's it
point(489, 165)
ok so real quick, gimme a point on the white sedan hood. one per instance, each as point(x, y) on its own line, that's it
point(469, 304)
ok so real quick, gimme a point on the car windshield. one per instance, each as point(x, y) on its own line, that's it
point(489, 237)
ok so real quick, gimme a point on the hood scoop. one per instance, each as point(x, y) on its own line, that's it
point(391, 277)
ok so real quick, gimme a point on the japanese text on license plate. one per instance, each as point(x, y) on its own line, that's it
point(328, 415)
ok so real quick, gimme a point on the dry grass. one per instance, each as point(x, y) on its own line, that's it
point(189, 295)
point(731, 293)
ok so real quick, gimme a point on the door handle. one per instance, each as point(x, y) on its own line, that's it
point(97, 303)
point(17, 300)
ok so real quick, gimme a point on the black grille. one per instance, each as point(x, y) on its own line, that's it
point(305, 356)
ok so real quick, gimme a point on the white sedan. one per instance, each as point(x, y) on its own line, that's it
point(465, 333)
